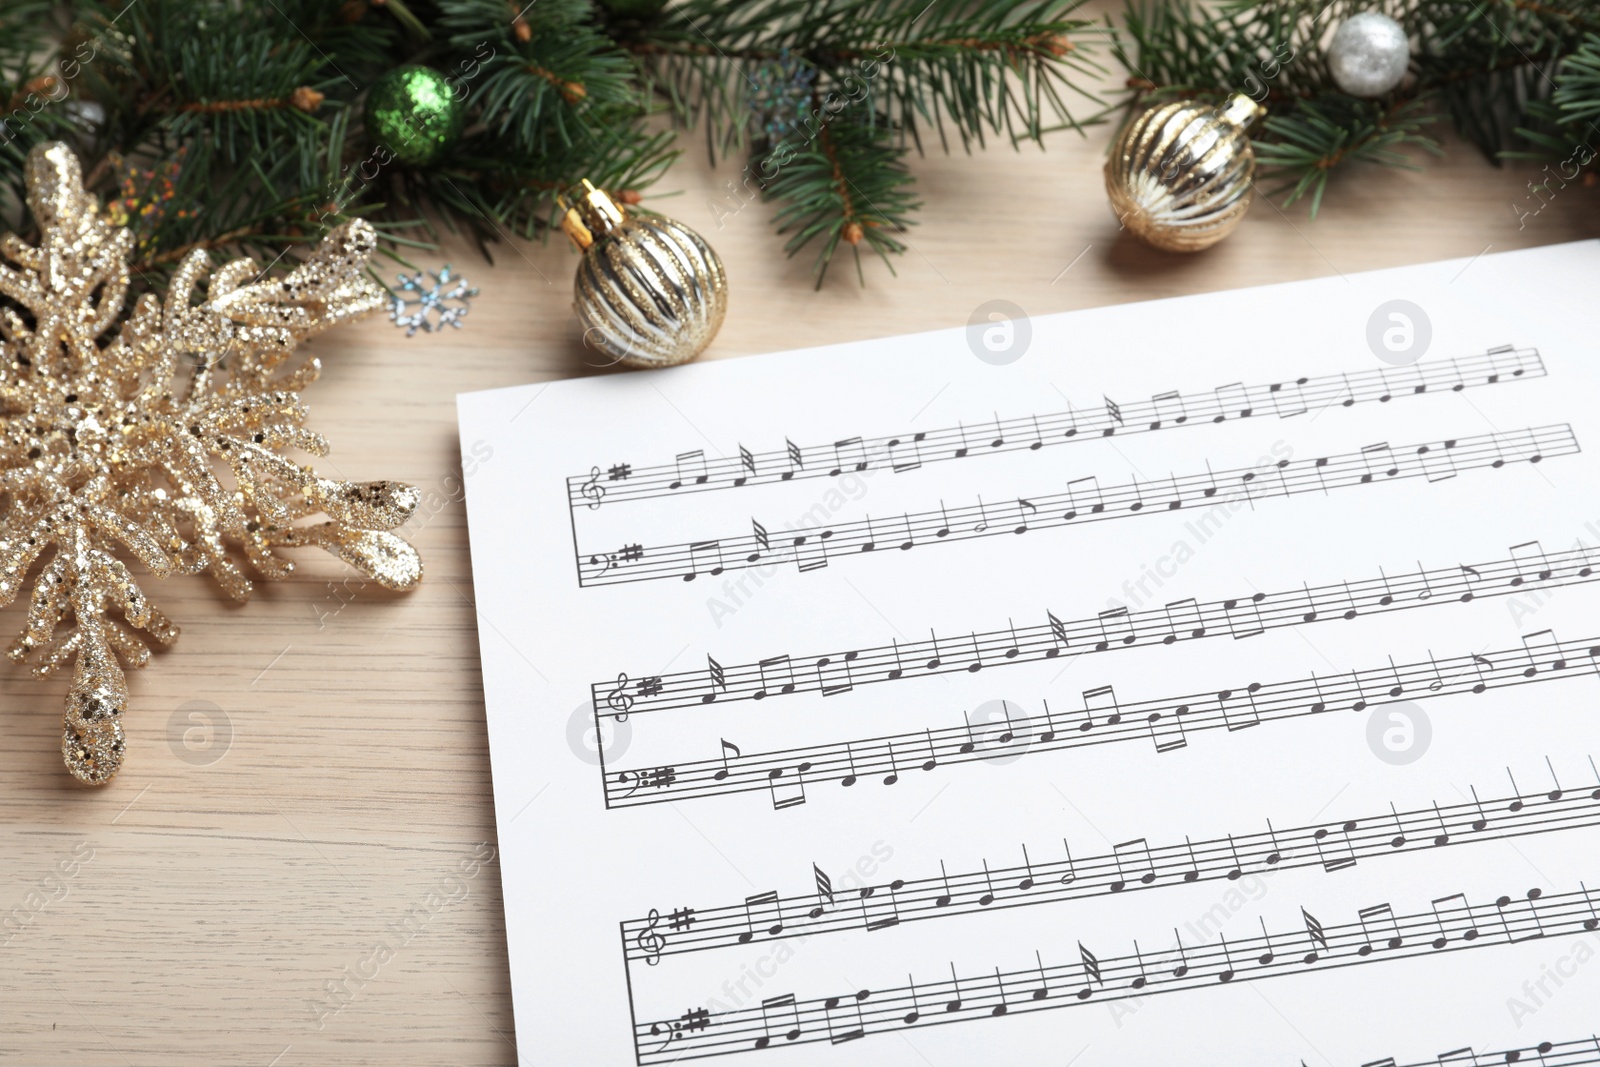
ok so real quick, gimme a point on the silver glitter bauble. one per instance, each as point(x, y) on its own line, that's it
point(1179, 174)
point(650, 292)
point(1369, 54)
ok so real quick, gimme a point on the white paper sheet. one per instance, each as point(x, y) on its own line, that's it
point(1122, 678)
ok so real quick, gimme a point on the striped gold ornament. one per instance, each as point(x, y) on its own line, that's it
point(1179, 174)
point(650, 292)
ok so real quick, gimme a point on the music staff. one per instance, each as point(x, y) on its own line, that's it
point(695, 472)
point(1083, 500)
point(1164, 722)
point(1584, 1050)
point(1126, 867)
point(1526, 567)
point(1379, 934)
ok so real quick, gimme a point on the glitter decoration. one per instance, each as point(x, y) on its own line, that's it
point(649, 291)
point(418, 305)
point(415, 112)
point(1179, 175)
point(1369, 54)
point(781, 91)
point(112, 442)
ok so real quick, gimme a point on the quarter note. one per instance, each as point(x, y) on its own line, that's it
point(1266, 957)
point(955, 985)
point(1000, 987)
point(1027, 882)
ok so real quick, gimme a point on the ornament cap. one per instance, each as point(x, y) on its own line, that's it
point(1242, 111)
point(591, 214)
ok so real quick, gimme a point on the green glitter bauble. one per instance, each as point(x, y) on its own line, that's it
point(414, 113)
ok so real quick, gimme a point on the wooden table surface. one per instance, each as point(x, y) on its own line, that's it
point(290, 868)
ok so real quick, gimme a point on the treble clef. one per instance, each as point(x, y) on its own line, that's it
point(593, 491)
point(619, 701)
point(650, 941)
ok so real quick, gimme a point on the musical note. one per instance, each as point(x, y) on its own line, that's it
point(1520, 918)
point(783, 1007)
point(728, 748)
point(1315, 936)
point(699, 554)
point(763, 915)
point(775, 667)
point(1137, 854)
point(824, 891)
point(849, 454)
point(899, 461)
point(1183, 620)
point(691, 469)
point(1335, 858)
point(878, 912)
point(792, 451)
point(1114, 629)
point(1380, 918)
point(1114, 410)
point(1091, 971)
point(1168, 407)
point(1443, 909)
point(1289, 398)
point(747, 464)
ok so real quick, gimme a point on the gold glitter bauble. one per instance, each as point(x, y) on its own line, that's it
point(112, 442)
point(650, 292)
point(1179, 174)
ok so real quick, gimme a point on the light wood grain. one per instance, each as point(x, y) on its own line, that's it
point(222, 900)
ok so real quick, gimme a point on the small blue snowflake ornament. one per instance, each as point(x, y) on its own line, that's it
point(416, 304)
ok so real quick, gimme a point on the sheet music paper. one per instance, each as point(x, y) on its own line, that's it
point(1198, 687)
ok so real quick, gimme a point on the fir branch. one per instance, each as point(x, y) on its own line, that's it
point(848, 184)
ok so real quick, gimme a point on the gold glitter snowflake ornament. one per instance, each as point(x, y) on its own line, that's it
point(161, 442)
